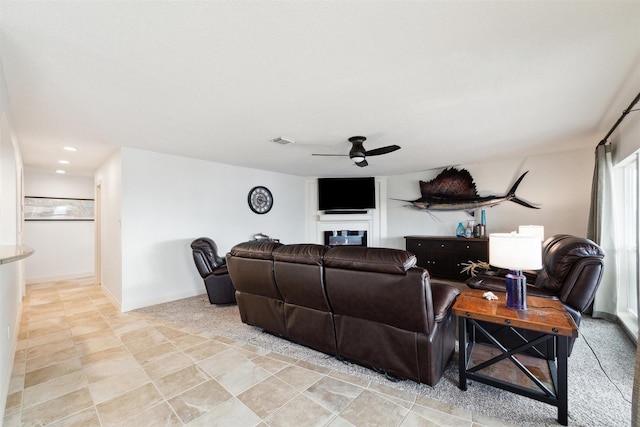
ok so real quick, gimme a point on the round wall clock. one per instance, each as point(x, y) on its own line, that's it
point(260, 200)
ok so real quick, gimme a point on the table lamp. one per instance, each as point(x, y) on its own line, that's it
point(537, 230)
point(515, 252)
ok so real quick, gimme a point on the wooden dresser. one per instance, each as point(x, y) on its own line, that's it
point(443, 256)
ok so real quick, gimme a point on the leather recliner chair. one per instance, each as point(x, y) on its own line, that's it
point(571, 272)
point(213, 270)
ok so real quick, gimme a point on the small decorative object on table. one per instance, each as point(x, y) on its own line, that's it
point(490, 296)
point(468, 232)
point(473, 268)
point(264, 237)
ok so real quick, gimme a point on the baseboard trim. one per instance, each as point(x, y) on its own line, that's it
point(160, 300)
point(117, 304)
point(33, 280)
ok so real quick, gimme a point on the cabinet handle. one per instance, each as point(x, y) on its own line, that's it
point(442, 245)
point(467, 246)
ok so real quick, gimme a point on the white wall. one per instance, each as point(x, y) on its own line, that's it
point(63, 249)
point(9, 186)
point(626, 139)
point(168, 201)
point(12, 274)
point(108, 182)
point(560, 183)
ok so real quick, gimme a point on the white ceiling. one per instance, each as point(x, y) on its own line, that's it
point(452, 82)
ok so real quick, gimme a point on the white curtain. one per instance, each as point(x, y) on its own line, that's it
point(635, 399)
point(602, 230)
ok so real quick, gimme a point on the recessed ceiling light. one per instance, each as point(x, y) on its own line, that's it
point(63, 162)
point(71, 148)
point(61, 171)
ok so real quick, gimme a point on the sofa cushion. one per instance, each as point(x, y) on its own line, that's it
point(255, 249)
point(377, 260)
point(301, 253)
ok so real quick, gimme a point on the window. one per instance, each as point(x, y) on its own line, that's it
point(627, 246)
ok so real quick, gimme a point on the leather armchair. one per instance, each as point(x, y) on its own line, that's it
point(571, 272)
point(213, 270)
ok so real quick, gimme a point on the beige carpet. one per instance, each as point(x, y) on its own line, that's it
point(600, 388)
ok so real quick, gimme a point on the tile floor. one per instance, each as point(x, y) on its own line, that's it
point(80, 362)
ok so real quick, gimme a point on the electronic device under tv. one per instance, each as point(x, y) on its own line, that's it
point(346, 195)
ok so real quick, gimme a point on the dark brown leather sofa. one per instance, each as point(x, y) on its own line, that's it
point(571, 272)
point(371, 306)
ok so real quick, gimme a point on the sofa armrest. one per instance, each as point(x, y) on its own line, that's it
point(498, 284)
point(443, 297)
point(221, 271)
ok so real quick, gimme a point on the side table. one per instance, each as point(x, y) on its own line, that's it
point(543, 315)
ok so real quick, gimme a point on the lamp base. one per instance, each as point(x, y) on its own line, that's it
point(516, 290)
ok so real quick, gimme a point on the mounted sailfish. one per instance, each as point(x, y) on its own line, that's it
point(454, 189)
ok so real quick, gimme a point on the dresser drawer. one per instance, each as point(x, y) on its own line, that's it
point(417, 245)
point(468, 246)
point(442, 245)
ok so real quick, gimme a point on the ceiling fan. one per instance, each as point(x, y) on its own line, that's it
point(358, 154)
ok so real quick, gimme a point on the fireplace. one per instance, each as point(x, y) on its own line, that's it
point(346, 237)
point(373, 222)
point(346, 229)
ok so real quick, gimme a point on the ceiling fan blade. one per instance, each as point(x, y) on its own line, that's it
point(382, 150)
point(362, 163)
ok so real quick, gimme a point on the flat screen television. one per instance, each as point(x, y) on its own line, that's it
point(346, 194)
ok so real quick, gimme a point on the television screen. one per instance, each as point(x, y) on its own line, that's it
point(346, 193)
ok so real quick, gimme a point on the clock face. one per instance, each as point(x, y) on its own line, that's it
point(260, 200)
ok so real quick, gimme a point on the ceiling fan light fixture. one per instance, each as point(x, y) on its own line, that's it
point(358, 153)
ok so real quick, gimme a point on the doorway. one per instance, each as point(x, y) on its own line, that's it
point(98, 235)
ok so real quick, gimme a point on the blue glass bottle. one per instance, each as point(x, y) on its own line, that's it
point(460, 230)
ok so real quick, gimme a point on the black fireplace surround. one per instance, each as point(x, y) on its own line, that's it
point(345, 238)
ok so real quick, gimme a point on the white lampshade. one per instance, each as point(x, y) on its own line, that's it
point(537, 230)
point(515, 251)
point(357, 159)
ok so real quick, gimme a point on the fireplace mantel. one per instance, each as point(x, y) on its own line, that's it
point(345, 217)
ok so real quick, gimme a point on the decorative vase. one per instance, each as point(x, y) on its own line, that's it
point(460, 230)
point(516, 290)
